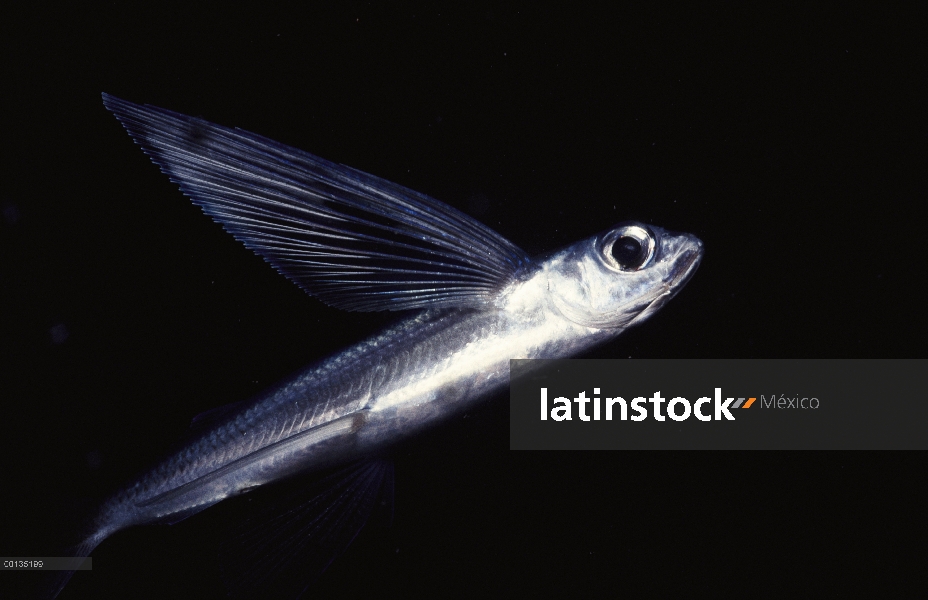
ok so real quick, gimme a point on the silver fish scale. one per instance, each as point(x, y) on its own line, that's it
point(340, 385)
point(360, 243)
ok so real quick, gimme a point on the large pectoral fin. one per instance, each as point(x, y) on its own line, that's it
point(353, 240)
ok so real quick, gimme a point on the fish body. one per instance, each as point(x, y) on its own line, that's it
point(360, 243)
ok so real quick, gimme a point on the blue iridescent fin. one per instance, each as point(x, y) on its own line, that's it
point(211, 417)
point(353, 240)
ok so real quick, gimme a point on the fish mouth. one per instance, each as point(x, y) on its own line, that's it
point(683, 269)
point(686, 266)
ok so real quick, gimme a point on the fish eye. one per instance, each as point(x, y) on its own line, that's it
point(628, 248)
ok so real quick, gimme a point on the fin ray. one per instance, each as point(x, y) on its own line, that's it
point(327, 227)
point(289, 541)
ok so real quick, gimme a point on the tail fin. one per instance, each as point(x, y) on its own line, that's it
point(55, 581)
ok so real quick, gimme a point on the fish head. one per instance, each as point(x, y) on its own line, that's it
point(621, 276)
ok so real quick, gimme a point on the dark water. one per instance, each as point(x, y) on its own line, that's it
point(789, 143)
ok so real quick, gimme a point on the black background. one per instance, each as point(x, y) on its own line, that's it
point(791, 142)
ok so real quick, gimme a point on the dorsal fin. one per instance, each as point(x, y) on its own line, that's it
point(353, 240)
point(211, 417)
